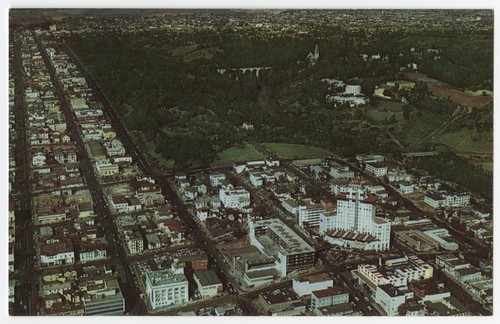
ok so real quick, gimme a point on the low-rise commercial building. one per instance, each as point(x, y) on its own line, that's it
point(105, 299)
point(306, 285)
point(328, 297)
point(208, 283)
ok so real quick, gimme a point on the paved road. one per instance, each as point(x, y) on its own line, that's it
point(25, 292)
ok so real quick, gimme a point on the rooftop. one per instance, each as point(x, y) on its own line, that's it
point(329, 292)
point(260, 273)
point(164, 277)
point(292, 243)
point(279, 296)
point(315, 278)
point(391, 290)
point(449, 306)
point(207, 278)
point(468, 271)
point(351, 236)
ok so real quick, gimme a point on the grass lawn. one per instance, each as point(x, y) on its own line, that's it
point(386, 109)
point(295, 151)
point(419, 127)
point(235, 154)
point(468, 140)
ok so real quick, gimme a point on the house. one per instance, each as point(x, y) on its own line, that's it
point(56, 253)
point(202, 213)
point(114, 148)
point(247, 126)
point(135, 242)
point(153, 241)
point(65, 156)
point(191, 193)
point(123, 204)
point(150, 198)
point(38, 159)
point(202, 202)
point(105, 168)
point(216, 178)
point(92, 252)
point(406, 187)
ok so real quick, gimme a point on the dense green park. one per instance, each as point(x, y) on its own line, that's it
point(167, 87)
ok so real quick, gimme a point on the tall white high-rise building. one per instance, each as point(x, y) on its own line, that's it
point(355, 224)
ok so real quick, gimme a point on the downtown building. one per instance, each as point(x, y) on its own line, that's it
point(388, 283)
point(106, 299)
point(273, 238)
point(354, 224)
point(166, 287)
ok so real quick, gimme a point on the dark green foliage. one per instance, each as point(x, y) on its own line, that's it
point(434, 105)
point(189, 110)
point(449, 167)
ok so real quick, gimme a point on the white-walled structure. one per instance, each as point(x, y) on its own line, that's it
point(355, 224)
point(396, 272)
point(166, 287)
point(306, 285)
point(378, 169)
point(389, 298)
point(328, 297)
point(234, 197)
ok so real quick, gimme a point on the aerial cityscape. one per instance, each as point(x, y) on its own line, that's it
point(240, 162)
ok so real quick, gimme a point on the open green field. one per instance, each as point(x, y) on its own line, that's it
point(295, 151)
point(385, 110)
point(236, 154)
point(468, 140)
point(419, 127)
